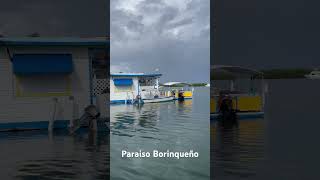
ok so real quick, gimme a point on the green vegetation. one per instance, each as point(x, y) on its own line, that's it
point(221, 77)
point(285, 73)
point(296, 73)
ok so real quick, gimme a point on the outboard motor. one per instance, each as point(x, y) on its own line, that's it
point(138, 100)
point(92, 111)
point(90, 116)
point(227, 115)
point(93, 114)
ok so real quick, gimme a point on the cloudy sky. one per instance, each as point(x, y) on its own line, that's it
point(267, 33)
point(54, 17)
point(172, 36)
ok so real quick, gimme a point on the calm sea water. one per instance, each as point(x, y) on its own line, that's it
point(165, 126)
point(39, 155)
point(283, 145)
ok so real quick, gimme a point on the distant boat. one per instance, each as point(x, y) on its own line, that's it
point(208, 85)
point(313, 75)
point(246, 104)
point(179, 90)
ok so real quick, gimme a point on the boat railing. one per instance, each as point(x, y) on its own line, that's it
point(150, 93)
point(183, 88)
point(147, 88)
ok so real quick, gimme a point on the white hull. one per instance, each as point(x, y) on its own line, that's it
point(241, 115)
point(312, 76)
point(156, 100)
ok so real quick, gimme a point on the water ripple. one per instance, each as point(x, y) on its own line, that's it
point(237, 152)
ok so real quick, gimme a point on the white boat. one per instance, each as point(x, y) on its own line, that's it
point(158, 99)
point(313, 75)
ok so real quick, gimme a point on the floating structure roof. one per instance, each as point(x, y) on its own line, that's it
point(136, 74)
point(60, 41)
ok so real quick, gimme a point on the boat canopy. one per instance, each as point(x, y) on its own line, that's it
point(176, 83)
point(234, 72)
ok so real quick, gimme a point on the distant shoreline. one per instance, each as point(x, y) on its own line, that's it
point(297, 73)
point(286, 73)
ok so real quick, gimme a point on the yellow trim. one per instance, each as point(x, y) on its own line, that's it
point(67, 92)
point(44, 94)
point(213, 105)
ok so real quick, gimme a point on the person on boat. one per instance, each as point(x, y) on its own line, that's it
point(180, 96)
point(228, 117)
point(173, 93)
point(138, 100)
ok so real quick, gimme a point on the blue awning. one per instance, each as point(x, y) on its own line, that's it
point(122, 82)
point(33, 64)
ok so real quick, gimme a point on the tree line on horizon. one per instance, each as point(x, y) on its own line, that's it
point(284, 73)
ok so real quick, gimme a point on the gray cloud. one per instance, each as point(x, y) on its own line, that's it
point(164, 34)
point(54, 17)
point(268, 33)
point(180, 23)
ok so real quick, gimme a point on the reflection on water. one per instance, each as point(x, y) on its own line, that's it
point(37, 155)
point(174, 126)
point(236, 152)
point(135, 119)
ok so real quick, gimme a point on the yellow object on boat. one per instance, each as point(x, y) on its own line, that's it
point(241, 103)
point(187, 94)
point(249, 103)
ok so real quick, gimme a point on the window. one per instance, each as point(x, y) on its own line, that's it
point(43, 86)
